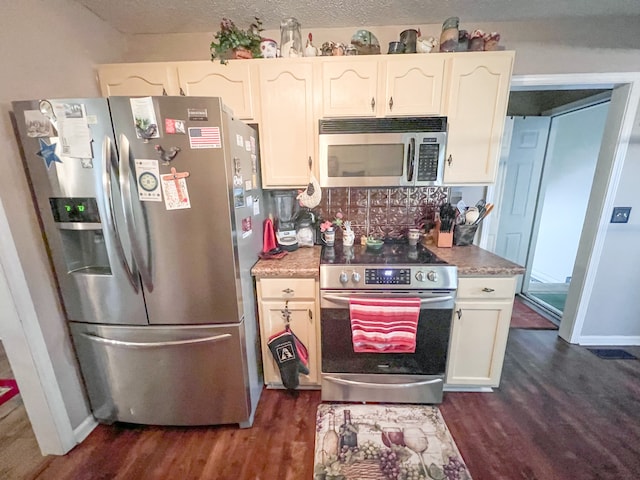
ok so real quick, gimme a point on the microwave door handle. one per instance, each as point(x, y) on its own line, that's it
point(411, 153)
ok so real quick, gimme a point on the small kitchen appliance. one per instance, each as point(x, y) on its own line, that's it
point(285, 209)
point(395, 271)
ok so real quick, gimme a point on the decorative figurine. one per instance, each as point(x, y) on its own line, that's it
point(268, 48)
point(310, 50)
point(426, 44)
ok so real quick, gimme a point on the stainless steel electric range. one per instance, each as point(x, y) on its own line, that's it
point(398, 270)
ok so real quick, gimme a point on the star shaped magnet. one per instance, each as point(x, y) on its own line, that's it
point(48, 152)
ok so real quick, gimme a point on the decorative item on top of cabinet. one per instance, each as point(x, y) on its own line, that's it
point(138, 79)
point(411, 85)
point(479, 331)
point(288, 123)
point(299, 296)
point(233, 42)
point(476, 111)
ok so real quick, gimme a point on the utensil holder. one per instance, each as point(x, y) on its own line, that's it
point(464, 234)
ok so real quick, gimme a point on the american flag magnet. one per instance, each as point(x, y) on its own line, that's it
point(204, 137)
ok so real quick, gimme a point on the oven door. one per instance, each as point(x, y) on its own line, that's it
point(385, 377)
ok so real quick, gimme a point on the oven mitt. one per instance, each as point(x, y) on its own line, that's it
point(303, 354)
point(284, 351)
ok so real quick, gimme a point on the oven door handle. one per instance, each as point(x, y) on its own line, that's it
point(423, 301)
point(342, 381)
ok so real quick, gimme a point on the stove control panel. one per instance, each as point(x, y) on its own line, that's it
point(387, 276)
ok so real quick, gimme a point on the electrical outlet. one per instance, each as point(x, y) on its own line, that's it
point(620, 214)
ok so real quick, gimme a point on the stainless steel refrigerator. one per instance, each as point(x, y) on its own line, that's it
point(152, 213)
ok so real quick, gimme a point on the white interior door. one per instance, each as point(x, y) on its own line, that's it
point(522, 178)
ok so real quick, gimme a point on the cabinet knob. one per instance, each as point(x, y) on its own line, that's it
point(450, 160)
point(373, 104)
point(310, 315)
point(182, 92)
point(488, 290)
point(391, 103)
point(164, 92)
point(459, 313)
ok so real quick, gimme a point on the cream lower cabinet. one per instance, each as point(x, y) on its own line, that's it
point(479, 331)
point(478, 86)
point(382, 85)
point(299, 296)
point(288, 122)
point(138, 79)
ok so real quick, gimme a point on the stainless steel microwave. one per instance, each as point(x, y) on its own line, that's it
point(382, 152)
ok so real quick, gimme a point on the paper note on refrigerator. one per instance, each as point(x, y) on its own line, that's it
point(176, 195)
point(73, 130)
point(144, 118)
point(147, 175)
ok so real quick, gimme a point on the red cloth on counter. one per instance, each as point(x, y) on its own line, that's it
point(384, 325)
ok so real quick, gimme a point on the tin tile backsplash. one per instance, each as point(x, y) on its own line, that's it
point(382, 212)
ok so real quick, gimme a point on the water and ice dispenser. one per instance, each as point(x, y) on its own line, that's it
point(83, 240)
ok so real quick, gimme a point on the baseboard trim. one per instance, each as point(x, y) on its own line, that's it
point(83, 430)
point(462, 388)
point(607, 340)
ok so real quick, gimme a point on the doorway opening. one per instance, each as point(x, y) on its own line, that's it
point(549, 155)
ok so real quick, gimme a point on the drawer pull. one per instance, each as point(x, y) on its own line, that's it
point(488, 290)
point(450, 160)
point(287, 291)
point(373, 104)
point(310, 315)
point(459, 313)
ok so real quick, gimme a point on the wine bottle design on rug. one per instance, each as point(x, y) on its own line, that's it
point(387, 442)
point(331, 441)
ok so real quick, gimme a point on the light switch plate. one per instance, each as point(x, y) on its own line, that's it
point(620, 214)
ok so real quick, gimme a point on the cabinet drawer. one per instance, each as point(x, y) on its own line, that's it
point(287, 288)
point(488, 288)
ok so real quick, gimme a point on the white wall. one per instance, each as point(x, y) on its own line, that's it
point(570, 163)
point(575, 45)
point(48, 49)
point(614, 309)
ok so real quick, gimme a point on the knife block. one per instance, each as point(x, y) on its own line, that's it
point(443, 239)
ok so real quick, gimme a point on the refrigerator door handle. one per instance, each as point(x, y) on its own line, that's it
point(127, 205)
point(112, 226)
point(173, 343)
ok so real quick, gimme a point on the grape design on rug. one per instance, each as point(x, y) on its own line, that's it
point(385, 442)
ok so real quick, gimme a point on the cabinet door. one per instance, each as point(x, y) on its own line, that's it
point(138, 79)
point(349, 87)
point(413, 85)
point(302, 324)
point(287, 129)
point(231, 82)
point(478, 342)
point(477, 105)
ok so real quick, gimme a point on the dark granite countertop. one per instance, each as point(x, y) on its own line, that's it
point(470, 260)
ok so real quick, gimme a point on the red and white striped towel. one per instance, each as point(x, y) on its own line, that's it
point(384, 325)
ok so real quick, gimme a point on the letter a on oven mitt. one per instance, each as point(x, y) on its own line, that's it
point(284, 351)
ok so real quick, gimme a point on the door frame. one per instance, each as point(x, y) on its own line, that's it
point(579, 293)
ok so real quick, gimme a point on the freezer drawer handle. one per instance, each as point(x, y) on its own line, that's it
point(120, 343)
point(342, 381)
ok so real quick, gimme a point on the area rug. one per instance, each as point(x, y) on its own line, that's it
point(8, 390)
point(612, 353)
point(385, 442)
point(525, 317)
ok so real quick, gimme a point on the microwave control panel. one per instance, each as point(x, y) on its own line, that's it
point(428, 155)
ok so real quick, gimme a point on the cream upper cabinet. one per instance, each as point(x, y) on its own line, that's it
point(138, 79)
point(479, 331)
point(233, 82)
point(297, 296)
point(382, 85)
point(476, 108)
point(349, 87)
point(288, 123)
point(413, 84)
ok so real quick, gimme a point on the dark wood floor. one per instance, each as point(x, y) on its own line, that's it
point(561, 413)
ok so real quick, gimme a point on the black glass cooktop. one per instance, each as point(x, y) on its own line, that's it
point(389, 254)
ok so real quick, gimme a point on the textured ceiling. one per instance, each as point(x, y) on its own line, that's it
point(183, 16)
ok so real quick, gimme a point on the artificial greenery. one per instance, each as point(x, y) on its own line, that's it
point(230, 37)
